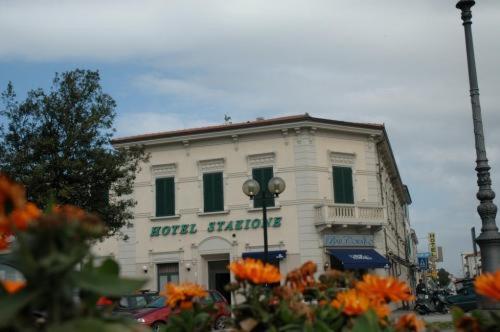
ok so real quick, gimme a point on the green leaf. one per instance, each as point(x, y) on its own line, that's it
point(456, 314)
point(321, 327)
point(366, 322)
point(109, 266)
point(10, 305)
point(105, 284)
point(92, 324)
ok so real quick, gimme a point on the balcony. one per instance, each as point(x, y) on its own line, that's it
point(327, 215)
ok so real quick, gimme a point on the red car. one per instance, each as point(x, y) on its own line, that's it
point(156, 313)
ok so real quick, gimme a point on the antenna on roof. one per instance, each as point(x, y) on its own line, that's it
point(227, 119)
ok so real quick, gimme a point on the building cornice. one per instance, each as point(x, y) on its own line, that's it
point(245, 128)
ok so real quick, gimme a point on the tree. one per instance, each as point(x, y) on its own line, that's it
point(443, 277)
point(58, 144)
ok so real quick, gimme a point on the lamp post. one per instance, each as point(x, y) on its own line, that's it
point(489, 239)
point(275, 187)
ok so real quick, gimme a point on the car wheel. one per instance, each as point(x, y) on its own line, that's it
point(220, 323)
point(157, 326)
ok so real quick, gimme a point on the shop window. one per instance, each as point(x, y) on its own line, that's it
point(262, 176)
point(342, 185)
point(165, 197)
point(213, 193)
point(168, 272)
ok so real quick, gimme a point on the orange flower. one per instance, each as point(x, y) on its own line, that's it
point(12, 196)
point(182, 295)
point(15, 213)
point(488, 284)
point(386, 289)
point(302, 277)
point(409, 322)
point(71, 212)
point(21, 217)
point(381, 309)
point(4, 243)
point(13, 286)
point(351, 302)
point(467, 324)
point(255, 271)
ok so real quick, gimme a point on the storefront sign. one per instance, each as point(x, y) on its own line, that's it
point(215, 226)
point(335, 240)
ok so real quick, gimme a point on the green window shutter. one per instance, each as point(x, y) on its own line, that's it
point(165, 197)
point(262, 176)
point(342, 185)
point(213, 192)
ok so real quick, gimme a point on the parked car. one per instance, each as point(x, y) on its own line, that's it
point(135, 301)
point(156, 313)
point(466, 297)
point(128, 302)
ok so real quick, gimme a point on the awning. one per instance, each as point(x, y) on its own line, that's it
point(273, 255)
point(360, 258)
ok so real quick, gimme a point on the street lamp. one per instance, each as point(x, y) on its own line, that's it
point(275, 187)
point(489, 239)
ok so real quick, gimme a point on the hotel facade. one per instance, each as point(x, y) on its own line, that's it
point(344, 206)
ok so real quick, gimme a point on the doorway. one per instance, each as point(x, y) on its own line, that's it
point(219, 277)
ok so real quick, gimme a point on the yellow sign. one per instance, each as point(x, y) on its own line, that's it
point(432, 245)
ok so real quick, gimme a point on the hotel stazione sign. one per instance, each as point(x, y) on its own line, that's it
point(215, 226)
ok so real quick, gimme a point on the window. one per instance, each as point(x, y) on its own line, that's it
point(262, 176)
point(165, 197)
point(342, 185)
point(213, 193)
point(168, 272)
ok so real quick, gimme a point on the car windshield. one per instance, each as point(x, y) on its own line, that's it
point(158, 303)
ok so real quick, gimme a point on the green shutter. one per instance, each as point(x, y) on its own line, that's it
point(262, 176)
point(342, 185)
point(213, 192)
point(165, 197)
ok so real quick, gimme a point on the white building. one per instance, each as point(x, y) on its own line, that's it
point(471, 264)
point(345, 205)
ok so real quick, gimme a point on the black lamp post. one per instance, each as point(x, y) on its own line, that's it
point(275, 186)
point(489, 239)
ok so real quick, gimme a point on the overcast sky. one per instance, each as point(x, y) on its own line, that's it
point(177, 64)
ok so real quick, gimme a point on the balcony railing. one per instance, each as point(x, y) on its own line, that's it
point(349, 214)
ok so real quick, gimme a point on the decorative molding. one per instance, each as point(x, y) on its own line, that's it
point(211, 165)
point(235, 141)
point(284, 133)
point(341, 158)
point(185, 143)
point(164, 170)
point(262, 159)
point(302, 168)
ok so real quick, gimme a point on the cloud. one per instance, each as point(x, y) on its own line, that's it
point(150, 122)
point(401, 63)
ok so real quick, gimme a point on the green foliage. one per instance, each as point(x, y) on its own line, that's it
point(62, 282)
point(197, 319)
point(443, 277)
point(58, 144)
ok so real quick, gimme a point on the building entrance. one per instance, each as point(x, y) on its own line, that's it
point(219, 277)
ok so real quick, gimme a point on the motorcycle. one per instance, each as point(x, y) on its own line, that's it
point(434, 302)
point(423, 304)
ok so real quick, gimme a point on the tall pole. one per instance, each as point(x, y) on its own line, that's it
point(489, 239)
point(264, 220)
